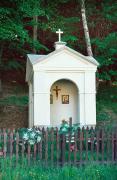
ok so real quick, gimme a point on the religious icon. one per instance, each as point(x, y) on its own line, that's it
point(51, 99)
point(65, 99)
point(56, 90)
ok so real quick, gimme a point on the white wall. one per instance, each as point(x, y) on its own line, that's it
point(41, 100)
point(59, 111)
point(90, 98)
point(84, 111)
point(82, 108)
point(62, 65)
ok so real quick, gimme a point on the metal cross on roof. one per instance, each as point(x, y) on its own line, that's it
point(59, 32)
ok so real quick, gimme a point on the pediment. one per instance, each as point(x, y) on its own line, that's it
point(65, 59)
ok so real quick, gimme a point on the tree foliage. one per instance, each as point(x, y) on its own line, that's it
point(17, 22)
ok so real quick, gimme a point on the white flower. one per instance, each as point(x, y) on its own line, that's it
point(25, 136)
point(32, 135)
point(66, 125)
point(64, 129)
point(38, 132)
point(31, 142)
point(38, 139)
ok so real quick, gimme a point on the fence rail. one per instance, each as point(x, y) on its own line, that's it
point(54, 148)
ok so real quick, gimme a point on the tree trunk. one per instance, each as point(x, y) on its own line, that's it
point(85, 27)
point(35, 28)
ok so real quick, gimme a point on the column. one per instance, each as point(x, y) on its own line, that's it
point(82, 109)
point(41, 100)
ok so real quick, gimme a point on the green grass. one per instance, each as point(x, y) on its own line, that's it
point(37, 172)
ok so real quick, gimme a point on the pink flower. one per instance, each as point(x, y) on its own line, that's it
point(72, 148)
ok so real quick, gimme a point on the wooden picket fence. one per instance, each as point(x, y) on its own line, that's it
point(84, 146)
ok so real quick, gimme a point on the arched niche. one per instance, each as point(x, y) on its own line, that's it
point(64, 102)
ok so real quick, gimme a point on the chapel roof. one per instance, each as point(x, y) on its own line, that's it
point(34, 58)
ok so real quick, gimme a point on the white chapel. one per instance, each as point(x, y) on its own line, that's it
point(61, 85)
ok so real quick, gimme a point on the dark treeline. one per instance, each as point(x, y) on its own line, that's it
point(29, 27)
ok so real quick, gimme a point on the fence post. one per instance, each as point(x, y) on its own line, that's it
point(17, 146)
point(87, 131)
point(5, 143)
point(29, 153)
point(43, 146)
point(40, 146)
point(35, 151)
point(108, 144)
point(116, 146)
point(11, 144)
point(80, 139)
point(23, 148)
point(92, 144)
point(69, 155)
point(112, 146)
point(70, 122)
point(52, 146)
point(57, 145)
point(62, 147)
point(46, 146)
point(75, 147)
point(69, 140)
point(97, 145)
point(102, 145)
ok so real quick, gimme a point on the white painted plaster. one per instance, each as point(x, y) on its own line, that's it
point(61, 111)
point(79, 84)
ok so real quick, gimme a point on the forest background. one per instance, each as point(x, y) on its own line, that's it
point(29, 27)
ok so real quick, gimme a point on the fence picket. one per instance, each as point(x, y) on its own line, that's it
point(43, 145)
point(17, 147)
point(29, 149)
point(11, 144)
point(52, 146)
point(75, 147)
point(1, 138)
point(5, 143)
point(40, 148)
point(35, 151)
point(112, 140)
point(69, 153)
point(62, 148)
point(46, 146)
point(23, 149)
point(81, 139)
point(116, 146)
point(57, 146)
point(108, 146)
point(97, 145)
point(87, 130)
point(92, 143)
point(102, 143)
